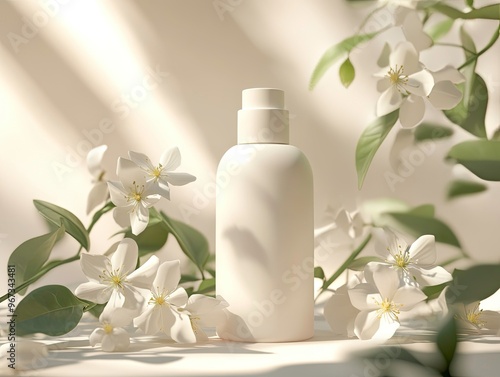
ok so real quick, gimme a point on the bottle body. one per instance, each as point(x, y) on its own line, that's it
point(264, 243)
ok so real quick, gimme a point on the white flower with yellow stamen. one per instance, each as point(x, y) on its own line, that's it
point(404, 83)
point(471, 318)
point(165, 312)
point(380, 301)
point(132, 196)
point(162, 174)
point(205, 312)
point(415, 262)
point(113, 280)
point(111, 335)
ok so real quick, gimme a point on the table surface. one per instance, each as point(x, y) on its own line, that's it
point(323, 355)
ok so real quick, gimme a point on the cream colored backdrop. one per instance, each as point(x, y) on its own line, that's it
point(147, 75)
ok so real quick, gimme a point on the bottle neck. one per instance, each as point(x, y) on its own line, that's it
point(263, 126)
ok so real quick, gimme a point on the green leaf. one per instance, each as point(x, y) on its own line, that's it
point(369, 142)
point(474, 284)
point(188, 278)
point(461, 187)
point(151, 239)
point(334, 53)
point(433, 291)
point(211, 271)
point(346, 73)
point(489, 12)
point(51, 310)
point(192, 242)
point(447, 340)
point(97, 309)
point(470, 114)
point(469, 3)
point(468, 71)
point(496, 134)
point(319, 273)
point(360, 263)
point(429, 131)
point(418, 225)
point(31, 255)
point(424, 210)
point(482, 157)
point(206, 286)
point(60, 216)
point(440, 29)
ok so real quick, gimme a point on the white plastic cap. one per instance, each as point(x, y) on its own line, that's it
point(263, 98)
point(263, 118)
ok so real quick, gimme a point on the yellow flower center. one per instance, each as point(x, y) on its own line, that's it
point(108, 329)
point(136, 193)
point(397, 77)
point(194, 323)
point(474, 316)
point(158, 298)
point(113, 278)
point(157, 171)
point(402, 260)
point(389, 308)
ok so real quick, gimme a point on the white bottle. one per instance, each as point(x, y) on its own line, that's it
point(264, 228)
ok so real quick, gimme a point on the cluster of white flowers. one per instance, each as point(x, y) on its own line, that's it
point(147, 297)
point(140, 185)
point(406, 83)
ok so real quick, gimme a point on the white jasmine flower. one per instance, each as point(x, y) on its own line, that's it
point(114, 280)
point(111, 335)
point(27, 355)
point(132, 195)
point(162, 174)
point(165, 306)
point(403, 84)
point(381, 301)
point(415, 263)
point(470, 318)
point(205, 311)
point(99, 192)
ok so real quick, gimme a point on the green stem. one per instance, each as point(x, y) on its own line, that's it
point(454, 45)
point(489, 12)
point(346, 264)
point(42, 272)
point(486, 48)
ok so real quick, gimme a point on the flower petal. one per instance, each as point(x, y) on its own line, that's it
point(387, 328)
point(170, 159)
point(408, 297)
point(97, 195)
point(405, 55)
point(125, 257)
point(386, 280)
point(491, 319)
point(118, 194)
point(139, 219)
point(94, 160)
point(168, 276)
point(180, 179)
point(93, 266)
point(117, 317)
point(179, 297)
point(364, 296)
point(389, 101)
point(420, 83)
point(448, 73)
point(107, 343)
point(128, 173)
point(141, 160)
point(93, 291)
point(423, 250)
point(412, 111)
point(121, 339)
point(200, 304)
point(122, 216)
point(96, 336)
point(445, 95)
point(143, 277)
point(413, 31)
point(430, 276)
point(366, 324)
point(339, 312)
point(150, 320)
point(181, 330)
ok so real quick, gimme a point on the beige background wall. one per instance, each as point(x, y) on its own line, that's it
point(82, 77)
